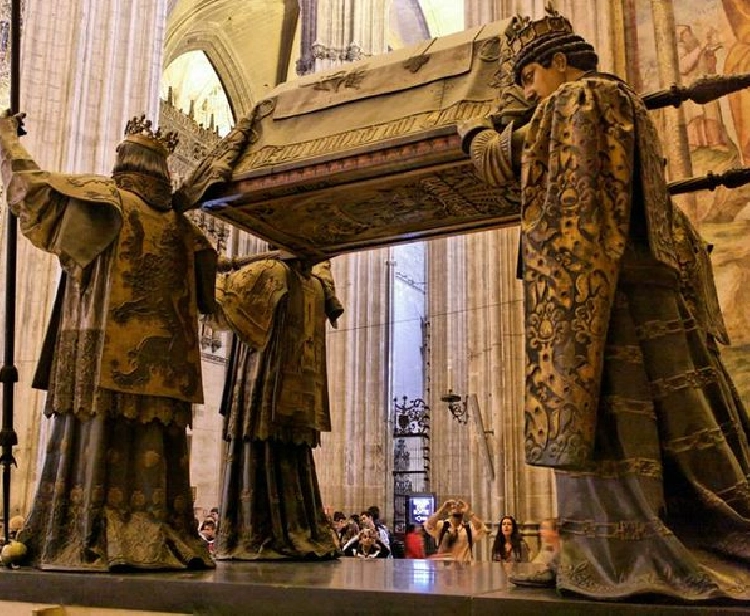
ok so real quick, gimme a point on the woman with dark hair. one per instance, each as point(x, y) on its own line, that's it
point(509, 546)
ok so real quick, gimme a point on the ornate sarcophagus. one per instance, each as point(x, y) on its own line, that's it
point(368, 154)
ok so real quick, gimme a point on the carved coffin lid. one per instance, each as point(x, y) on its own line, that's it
point(368, 154)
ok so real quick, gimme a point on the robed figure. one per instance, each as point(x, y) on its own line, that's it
point(121, 362)
point(626, 396)
point(275, 406)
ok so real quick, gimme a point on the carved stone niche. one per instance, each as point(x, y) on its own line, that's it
point(369, 155)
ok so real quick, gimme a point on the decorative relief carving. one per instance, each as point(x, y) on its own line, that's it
point(274, 155)
point(351, 53)
point(341, 79)
point(383, 211)
point(195, 141)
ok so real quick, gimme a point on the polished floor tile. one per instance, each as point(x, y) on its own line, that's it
point(348, 586)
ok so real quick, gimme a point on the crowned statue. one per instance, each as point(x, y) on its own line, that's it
point(121, 361)
point(275, 406)
point(626, 395)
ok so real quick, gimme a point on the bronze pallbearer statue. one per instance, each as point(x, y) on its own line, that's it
point(123, 368)
point(626, 397)
point(275, 406)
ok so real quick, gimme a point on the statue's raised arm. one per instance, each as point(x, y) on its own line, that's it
point(72, 216)
point(121, 362)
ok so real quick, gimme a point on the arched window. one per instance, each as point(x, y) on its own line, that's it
point(190, 84)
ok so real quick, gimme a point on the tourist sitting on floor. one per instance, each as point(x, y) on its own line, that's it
point(208, 532)
point(508, 545)
point(383, 532)
point(366, 545)
point(340, 525)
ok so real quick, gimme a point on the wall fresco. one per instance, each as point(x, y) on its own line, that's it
point(713, 37)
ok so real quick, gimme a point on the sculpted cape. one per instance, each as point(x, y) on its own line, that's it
point(148, 319)
point(590, 155)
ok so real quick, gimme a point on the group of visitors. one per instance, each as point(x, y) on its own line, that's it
point(363, 534)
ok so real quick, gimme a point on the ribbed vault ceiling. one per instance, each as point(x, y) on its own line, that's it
point(252, 43)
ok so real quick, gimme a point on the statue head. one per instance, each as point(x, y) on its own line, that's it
point(141, 164)
point(539, 42)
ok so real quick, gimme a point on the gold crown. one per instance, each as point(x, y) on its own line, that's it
point(522, 31)
point(138, 130)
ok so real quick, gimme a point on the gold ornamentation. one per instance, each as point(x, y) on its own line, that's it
point(139, 130)
point(522, 31)
point(274, 155)
point(695, 379)
point(577, 195)
point(702, 439)
point(617, 469)
point(340, 79)
point(152, 309)
point(414, 63)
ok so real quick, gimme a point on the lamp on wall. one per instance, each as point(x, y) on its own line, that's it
point(457, 407)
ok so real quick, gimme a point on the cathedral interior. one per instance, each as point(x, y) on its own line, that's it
point(426, 366)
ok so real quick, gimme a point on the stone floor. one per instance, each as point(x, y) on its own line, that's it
point(348, 586)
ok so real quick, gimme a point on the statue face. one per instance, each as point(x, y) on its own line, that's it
point(539, 82)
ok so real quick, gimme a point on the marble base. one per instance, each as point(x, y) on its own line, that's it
point(348, 586)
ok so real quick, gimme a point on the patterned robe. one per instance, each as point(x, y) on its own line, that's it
point(624, 396)
point(275, 406)
point(122, 374)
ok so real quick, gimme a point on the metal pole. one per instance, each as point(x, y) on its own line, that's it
point(9, 373)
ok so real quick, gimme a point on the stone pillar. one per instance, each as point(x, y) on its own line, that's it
point(308, 14)
point(348, 30)
point(448, 312)
point(494, 344)
point(627, 62)
point(87, 67)
point(674, 133)
point(494, 356)
point(354, 462)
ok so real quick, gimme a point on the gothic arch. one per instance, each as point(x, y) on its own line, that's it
point(220, 56)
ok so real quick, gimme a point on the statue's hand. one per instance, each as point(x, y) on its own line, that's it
point(468, 129)
point(514, 107)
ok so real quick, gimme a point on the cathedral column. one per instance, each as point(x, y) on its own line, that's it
point(308, 13)
point(87, 67)
point(495, 330)
point(673, 133)
point(494, 355)
point(448, 314)
point(348, 30)
point(354, 462)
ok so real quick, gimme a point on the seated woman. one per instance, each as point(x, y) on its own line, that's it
point(366, 545)
point(508, 545)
